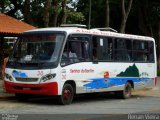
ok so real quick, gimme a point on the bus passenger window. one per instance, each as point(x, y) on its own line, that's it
point(69, 54)
point(76, 50)
point(73, 52)
point(95, 48)
point(151, 52)
point(102, 48)
point(108, 49)
point(121, 52)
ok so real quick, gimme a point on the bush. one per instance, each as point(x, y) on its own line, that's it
point(158, 72)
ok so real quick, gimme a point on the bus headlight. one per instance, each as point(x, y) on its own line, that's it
point(8, 77)
point(47, 77)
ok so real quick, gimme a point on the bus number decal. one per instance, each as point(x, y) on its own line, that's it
point(40, 73)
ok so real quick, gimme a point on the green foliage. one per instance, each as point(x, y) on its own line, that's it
point(75, 17)
point(37, 13)
point(3, 5)
point(158, 72)
point(78, 12)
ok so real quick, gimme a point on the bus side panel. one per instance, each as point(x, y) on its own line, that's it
point(108, 76)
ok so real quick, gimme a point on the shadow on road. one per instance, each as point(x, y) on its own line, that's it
point(78, 99)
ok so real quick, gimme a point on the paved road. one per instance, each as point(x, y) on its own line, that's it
point(82, 108)
point(86, 107)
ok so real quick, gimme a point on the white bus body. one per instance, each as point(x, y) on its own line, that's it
point(106, 61)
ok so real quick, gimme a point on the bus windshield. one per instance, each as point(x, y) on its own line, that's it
point(37, 48)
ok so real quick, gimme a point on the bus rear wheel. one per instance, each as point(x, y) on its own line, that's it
point(67, 95)
point(126, 92)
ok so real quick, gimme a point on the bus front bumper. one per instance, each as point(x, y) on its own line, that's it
point(39, 89)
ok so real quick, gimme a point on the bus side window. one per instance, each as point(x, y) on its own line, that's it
point(95, 48)
point(65, 55)
point(102, 48)
point(75, 50)
point(141, 51)
point(129, 49)
point(81, 48)
point(151, 51)
point(121, 52)
point(108, 49)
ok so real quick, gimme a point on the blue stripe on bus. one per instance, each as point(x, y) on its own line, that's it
point(98, 83)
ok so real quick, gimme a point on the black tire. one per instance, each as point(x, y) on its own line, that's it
point(126, 92)
point(67, 95)
point(22, 97)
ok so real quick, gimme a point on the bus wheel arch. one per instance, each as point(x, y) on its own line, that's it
point(72, 83)
point(131, 82)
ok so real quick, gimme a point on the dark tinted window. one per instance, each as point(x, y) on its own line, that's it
point(121, 52)
point(102, 49)
point(120, 49)
point(75, 50)
point(151, 51)
point(140, 51)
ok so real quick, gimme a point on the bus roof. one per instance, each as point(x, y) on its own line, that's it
point(76, 30)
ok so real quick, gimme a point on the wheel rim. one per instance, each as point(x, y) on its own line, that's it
point(128, 91)
point(67, 95)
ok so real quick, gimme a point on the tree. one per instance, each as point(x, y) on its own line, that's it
point(143, 21)
point(75, 17)
point(98, 14)
point(2, 5)
point(26, 12)
point(125, 14)
point(47, 6)
point(64, 12)
point(10, 7)
point(55, 12)
point(15, 5)
point(107, 13)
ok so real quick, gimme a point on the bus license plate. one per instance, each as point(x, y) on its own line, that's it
point(26, 89)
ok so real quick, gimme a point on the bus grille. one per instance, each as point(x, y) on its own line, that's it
point(27, 79)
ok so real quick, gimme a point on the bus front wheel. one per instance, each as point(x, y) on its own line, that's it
point(67, 95)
